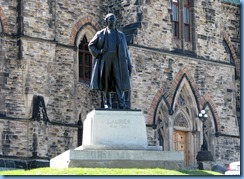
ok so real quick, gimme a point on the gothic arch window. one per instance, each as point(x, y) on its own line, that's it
point(160, 138)
point(227, 51)
point(85, 61)
point(208, 130)
point(162, 126)
point(229, 55)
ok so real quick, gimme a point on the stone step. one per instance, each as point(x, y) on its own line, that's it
point(119, 159)
point(120, 147)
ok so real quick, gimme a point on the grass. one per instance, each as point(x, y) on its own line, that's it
point(106, 171)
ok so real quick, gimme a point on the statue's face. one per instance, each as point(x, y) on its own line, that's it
point(111, 20)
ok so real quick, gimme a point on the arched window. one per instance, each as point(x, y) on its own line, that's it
point(230, 57)
point(227, 51)
point(85, 61)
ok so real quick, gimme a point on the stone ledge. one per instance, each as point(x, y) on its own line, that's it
point(119, 159)
point(22, 163)
point(119, 147)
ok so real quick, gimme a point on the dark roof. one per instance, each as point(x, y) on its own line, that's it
point(233, 2)
point(130, 31)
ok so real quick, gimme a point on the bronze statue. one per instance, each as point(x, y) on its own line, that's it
point(112, 66)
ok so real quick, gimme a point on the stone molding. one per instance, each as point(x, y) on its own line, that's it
point(78, 25)
point(207, 100)
point(233, 53)
point(230, 8)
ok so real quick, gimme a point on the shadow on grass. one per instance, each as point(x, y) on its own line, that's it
point(199, 172)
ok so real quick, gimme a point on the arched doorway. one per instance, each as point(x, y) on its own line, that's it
point(185, 123)
point(181, 129)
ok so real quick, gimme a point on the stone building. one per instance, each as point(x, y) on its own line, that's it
point(186, 58)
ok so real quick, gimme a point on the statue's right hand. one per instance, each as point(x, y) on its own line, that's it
point(104, 50)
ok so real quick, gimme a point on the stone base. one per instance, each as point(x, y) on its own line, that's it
point(205, 165)
point(117, 139)
point(118, 159)
point(204, 156)
point(115, 130)
point(119, 147)
point(8, 163)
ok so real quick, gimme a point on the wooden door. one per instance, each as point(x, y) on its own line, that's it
point(180, 143)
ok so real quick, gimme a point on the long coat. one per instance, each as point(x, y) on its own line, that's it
point(95, 46)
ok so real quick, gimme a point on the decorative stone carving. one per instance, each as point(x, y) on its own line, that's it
point(180, 121)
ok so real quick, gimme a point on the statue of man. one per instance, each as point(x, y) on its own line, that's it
point(112, 66)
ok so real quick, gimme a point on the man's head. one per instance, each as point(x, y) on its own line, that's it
point(110, 19)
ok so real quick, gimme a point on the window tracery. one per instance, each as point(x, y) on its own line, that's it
point(180, 121)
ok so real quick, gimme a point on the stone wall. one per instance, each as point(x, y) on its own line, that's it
point(210, 18)
point(14, 84)
point(26, 139)
point(231, 25)
point(68, 13)
point(227, 150)
point(152, 72)
point(156, 27)
point(14, 138)
point(9, 13)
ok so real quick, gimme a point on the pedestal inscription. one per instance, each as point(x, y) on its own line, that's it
point(121, 123)
point(115, 128)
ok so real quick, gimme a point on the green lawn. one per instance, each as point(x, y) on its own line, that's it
point(106, 171)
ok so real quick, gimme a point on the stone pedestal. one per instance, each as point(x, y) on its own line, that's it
point(117, 139)
point(115, 128)
point(204, 156)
